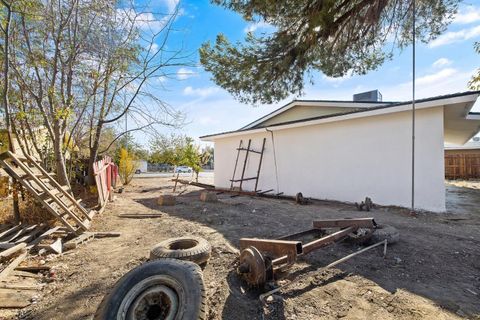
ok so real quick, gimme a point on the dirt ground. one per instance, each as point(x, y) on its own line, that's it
point(432, 273)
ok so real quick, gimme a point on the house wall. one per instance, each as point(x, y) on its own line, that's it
point(304, 112)
point(347, 160)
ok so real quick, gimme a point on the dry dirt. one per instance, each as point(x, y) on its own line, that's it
point(432, 273)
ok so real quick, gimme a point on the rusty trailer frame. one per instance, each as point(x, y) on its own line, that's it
point(262, 259)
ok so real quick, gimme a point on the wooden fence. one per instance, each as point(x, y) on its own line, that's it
point(462, 166)
point(105, 178)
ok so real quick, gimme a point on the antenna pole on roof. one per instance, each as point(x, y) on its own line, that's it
point(413, 109)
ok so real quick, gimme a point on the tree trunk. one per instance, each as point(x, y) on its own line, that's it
point(94, 154)
point(60, 163)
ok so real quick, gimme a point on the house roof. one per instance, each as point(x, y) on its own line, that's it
point(317, 103)
point(381, 108)
point(470, 145)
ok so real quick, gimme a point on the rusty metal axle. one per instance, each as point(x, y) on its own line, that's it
point(282, 253)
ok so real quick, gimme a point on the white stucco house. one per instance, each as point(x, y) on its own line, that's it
point(347, 150)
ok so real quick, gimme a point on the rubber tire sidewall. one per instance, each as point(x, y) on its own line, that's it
point(190, 290)
point(200, 254)
point(387, 232)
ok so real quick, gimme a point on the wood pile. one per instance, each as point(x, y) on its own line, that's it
point(20, 280)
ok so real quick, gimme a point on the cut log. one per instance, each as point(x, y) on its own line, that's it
point(10, 252)
point(206, 196)
point(166, 200)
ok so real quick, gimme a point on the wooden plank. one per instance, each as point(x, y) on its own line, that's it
point(42, 236)
point(20, 232)
point(31, 235)
point(10, 231)
point(6, 272)
point(34, 269)
point(106, 234)
point(15, 286)
point(140, 216)
point(25, 274)
point(9, 252)
point(75, 242)
point(14, 299)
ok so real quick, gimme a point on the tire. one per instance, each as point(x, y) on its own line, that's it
point(361, 236)
point(193, 249)
point(177, 285)
point(383, 232)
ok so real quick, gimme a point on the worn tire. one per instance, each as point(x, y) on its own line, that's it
point(383, 232)
point(134, 293)
point(361, 236)
point(193, 249)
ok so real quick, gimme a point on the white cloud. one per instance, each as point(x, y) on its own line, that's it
point(467, 15)
point(442, 62)
point(436, 77)
point(252, 27)
point(184, 73)
point(171, 5)
point(456, 36)
point(143, 20)
point(207, 120)
point(201, 92)
point(443, 82)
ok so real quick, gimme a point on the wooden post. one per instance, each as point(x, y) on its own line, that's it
point(260, 163)
point(245, 162)
point(236, 163)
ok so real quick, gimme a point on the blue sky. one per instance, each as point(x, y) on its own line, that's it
point(444, 66)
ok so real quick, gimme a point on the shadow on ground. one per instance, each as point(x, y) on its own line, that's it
point(437, 258)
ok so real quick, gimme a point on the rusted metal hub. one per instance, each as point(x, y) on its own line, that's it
point(159, 302)
point(252, 267)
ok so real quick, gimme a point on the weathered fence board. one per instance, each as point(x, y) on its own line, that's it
point(462, 166)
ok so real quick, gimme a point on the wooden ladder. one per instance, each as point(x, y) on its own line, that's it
point(56, 198)
point(248, 151)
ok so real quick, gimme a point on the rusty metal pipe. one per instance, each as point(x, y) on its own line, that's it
point(319, 243)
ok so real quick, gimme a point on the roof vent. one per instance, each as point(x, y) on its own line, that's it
point(369, 96)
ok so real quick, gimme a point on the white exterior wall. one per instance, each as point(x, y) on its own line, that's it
point(347, 160)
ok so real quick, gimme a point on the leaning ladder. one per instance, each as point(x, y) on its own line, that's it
point(46, 190)
point(247, 151)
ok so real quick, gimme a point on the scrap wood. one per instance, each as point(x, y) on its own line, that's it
point(106, 234)
point(18, 233)
point(140, 215)
point(14, 264)
point(73, 243)
point(11, 251)
point(331, 265)
point(55, 246)
point(16, 286)
point(9, 231)
point(34, 269)
point(43, 236)
point(14, 299)
point(195, 184)
point(25, 274)
point(31, 235)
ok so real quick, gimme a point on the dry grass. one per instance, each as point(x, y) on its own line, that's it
point(31, 212)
